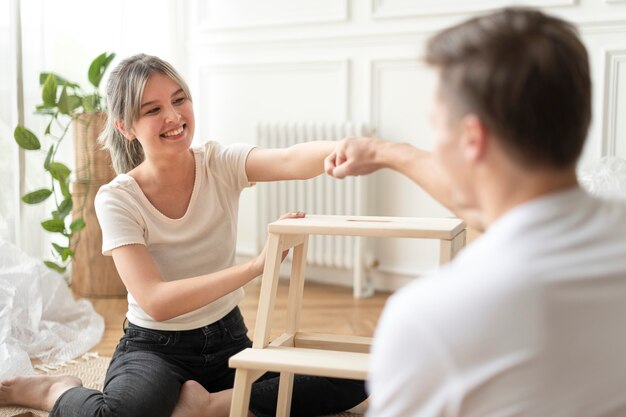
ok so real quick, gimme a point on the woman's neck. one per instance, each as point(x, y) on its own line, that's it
point(166, 172)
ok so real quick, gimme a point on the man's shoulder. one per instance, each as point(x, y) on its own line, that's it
point(482, 278)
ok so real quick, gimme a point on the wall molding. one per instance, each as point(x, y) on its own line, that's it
point(614, 59)
point(321, 40)
point(377, 68)
point(342, 67)
point(393, 9)
point(271, 66)
point(203, 11)
point(381, 37)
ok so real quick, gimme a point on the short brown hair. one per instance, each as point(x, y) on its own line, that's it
point(526, 75)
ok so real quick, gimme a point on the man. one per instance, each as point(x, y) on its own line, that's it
point(529, 319)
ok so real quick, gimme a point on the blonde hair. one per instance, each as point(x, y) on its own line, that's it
point(124, 91)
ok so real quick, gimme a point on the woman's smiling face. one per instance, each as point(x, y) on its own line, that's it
point(166, 119)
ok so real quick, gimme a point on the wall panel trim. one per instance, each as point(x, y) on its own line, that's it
point(378, 67)
point(389, 9)
point(614, 59)
point(341, 14)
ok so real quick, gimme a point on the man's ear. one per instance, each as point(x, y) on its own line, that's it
point(121, 126)
point(474, 137)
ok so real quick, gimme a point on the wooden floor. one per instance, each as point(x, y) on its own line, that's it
point(326, 308)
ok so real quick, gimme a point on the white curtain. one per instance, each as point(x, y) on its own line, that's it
point(8, 151)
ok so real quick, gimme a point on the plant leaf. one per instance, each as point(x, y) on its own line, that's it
point(68, 103)
point(49, 91)
point(54, 225)
point(63, 251)
point(63, 104)
point(73, 102)
point(49, 127)
point(37, 196)
point(26, 139)
point(77, 225)
point(65, 207)
point(64, 256)
point(59, 171)
point(43, 76)
point(58, 248)
point(60, 269)
point(98, 67)
point(46, 163)
point(65, 188)
point(90, 102)
point(45, 110)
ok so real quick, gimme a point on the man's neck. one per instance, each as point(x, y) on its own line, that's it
point(502, 193)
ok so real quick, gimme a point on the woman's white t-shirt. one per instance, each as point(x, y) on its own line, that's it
point(201, 242)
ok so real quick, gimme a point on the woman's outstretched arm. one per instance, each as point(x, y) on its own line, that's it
point(297, 162)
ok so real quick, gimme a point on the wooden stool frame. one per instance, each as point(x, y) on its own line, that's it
point(313, 353)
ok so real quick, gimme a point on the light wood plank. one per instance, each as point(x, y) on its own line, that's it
point(344, 343)
point(303, 361)
point(267, 298)
point(241, 393)
point(449, 248)
point(285, 389)
point(296, 287)
point(371, 226)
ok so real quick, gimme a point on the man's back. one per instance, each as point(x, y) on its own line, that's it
point(527, 321)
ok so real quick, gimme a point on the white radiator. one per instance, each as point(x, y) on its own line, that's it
point(321, 195)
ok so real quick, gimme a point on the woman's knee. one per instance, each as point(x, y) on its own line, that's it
point(157, 400)
point(145, 385)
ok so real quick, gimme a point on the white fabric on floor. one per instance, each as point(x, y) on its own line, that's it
point(39, 318)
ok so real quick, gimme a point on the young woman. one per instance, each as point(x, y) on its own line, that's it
point(169, 219)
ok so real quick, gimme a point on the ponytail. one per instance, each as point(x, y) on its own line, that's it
point(125, 154)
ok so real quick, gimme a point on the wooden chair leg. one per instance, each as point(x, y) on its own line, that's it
point(449, 248)
point(285, 388)
point(267, 297)
point(240, 402)
point(294, 304)
point(296, 287)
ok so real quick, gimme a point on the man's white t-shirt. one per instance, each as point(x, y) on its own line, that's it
point(201, 242)
point(529, 320)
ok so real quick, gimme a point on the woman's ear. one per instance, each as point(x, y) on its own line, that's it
point(121, 127)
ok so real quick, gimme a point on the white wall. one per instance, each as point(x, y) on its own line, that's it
point(357, 60)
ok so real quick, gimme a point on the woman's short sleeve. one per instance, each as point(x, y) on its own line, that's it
point(228, 163)
point(120, 222)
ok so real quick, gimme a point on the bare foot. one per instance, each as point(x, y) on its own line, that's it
point(39, 391)
point(195, 401)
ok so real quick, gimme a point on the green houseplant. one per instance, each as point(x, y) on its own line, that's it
point(64, 103)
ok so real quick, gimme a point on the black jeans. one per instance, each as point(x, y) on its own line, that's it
point(149, 367)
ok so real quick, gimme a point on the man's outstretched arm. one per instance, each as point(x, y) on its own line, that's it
point(362, 156)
